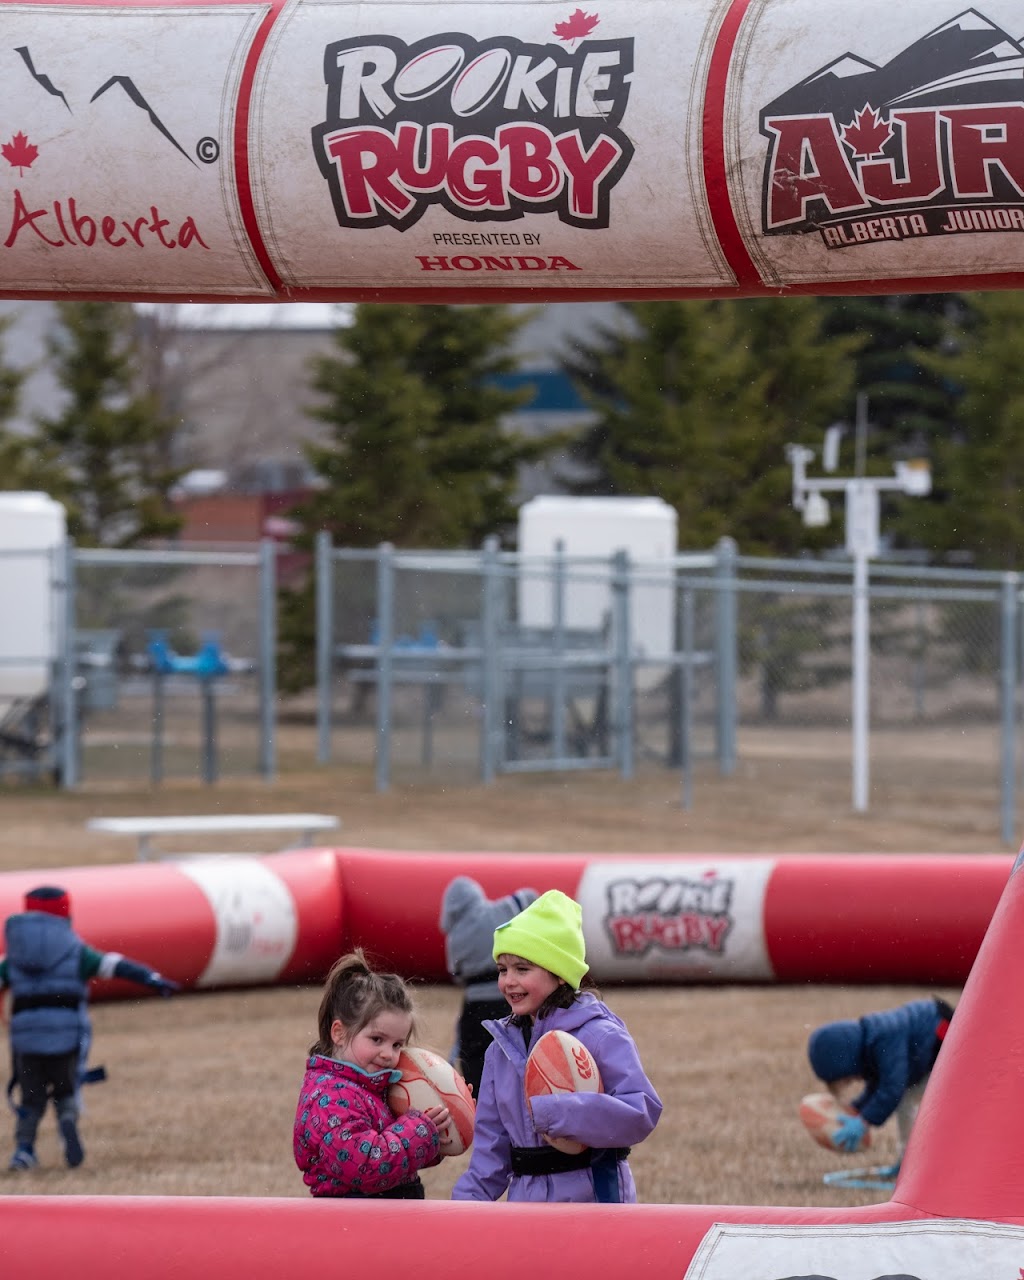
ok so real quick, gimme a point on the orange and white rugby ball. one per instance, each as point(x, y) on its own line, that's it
point(559, 1063)
point(820, 1114)
point(428, 1080)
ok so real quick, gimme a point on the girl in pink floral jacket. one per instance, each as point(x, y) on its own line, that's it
point(346, 1139)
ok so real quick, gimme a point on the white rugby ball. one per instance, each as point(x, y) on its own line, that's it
point(559, 1063)
point(428, 1080)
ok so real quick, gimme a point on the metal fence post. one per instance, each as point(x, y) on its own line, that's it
point(68, 747)
point(491, 710)
point(686, 718)
point(559, 681)
point(385, 659)
point(726, 653)
point(323, 583)
point(268, 657)
point(623, 661)
point(1008, 704)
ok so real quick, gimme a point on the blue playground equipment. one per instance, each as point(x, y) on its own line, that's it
point(207, 662)
point(205, 665)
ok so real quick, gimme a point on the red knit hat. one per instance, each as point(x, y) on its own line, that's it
point(48, 898)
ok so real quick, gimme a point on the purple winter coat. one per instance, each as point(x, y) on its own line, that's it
point(624, 1114)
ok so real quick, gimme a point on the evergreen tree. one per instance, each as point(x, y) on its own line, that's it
point(909, 404)
point(979, 468)
point(695, 403)
point(110, 435)
point(24, 463)
point(417, 453)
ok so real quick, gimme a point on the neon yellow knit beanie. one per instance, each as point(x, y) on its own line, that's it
point(548, 933)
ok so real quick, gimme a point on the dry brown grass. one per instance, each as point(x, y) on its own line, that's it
point(202, 1089)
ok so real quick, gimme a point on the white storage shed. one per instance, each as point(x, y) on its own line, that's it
point(33, 529)
point(590, 531)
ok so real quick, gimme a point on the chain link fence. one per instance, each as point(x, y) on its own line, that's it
point(493, 663)
point(174, 667)
point(153, 665)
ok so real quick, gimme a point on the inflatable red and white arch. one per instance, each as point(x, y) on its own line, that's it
point(284, 149)
point(514, 150)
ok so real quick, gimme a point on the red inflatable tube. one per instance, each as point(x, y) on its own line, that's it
point(232, 1239)
point(784, 918)
point(393, 900)
point(205, 921)
point(878, 917)
point(222, 920)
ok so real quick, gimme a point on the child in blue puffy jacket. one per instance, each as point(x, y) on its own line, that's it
point(892, 1053)
point(48, 967)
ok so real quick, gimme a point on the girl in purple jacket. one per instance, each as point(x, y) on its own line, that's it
point(541, 958)
point(346, 1139)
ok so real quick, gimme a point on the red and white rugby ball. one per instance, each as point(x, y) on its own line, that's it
point(820, 1114)
point(428, 1080)
point(559, 1063)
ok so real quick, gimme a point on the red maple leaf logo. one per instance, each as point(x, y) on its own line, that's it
point(576, 26)
point(19, 152)
point(868, 134)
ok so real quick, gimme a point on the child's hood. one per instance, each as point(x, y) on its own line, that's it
point(586, 1008)
point(462, 897)
point(37, 942)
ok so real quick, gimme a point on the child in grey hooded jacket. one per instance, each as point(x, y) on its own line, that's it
point(468, 921)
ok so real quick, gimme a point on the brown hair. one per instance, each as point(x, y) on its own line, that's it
point(562, 997)
point(354, 994)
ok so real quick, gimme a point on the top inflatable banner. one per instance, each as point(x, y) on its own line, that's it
point(498, 150)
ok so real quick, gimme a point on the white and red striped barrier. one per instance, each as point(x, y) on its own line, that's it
point(233, 920)
point(957, 1212)
point(223, 149)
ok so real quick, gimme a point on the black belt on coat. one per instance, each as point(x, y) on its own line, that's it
point(545, 1160)
point(56, 1000)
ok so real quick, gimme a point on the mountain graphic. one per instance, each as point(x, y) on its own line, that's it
point(965, 61)
point(124, 83)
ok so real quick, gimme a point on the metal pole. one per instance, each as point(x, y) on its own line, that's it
point(1008, 705)
point(861, 434)
point(558, 683)
point(68, 746)
point(491, 711)
point(206, 684)
point(385, 643)
point(686, 727)
point(861, 655)
point(156, 746)
point(268, 657)
point(726, 660)
point(323, 583)
point(623, 662)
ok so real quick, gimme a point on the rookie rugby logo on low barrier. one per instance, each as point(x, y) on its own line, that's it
point(489, 129)
point(672, 913)
point(931, 143)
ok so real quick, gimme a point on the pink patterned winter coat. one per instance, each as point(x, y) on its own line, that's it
point(347, 1141)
